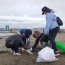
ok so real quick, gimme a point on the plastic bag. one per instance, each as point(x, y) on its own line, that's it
point(46, 55)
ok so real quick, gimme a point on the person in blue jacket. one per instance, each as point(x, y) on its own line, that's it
point(51, 29)
point(26, 35)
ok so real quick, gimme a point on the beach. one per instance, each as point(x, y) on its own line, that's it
point(7, 58)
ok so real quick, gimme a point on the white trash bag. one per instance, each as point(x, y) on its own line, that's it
point(46, 55)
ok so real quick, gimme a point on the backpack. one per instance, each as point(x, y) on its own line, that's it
point(59, 21)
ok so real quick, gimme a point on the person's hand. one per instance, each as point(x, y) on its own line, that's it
point(29, 51)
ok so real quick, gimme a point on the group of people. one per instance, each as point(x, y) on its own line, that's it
point(49, 34)
point(18, 41)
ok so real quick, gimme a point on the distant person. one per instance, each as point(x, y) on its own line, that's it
point(14, 42)
point(26, 33)
point(51, 29)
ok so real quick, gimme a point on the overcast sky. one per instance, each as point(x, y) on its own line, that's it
point(31, 8)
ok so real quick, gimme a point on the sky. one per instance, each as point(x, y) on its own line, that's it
point(29, 8)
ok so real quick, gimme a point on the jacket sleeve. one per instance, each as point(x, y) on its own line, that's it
point(48, 24)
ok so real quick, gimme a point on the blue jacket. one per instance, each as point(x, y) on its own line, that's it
point(51, 22)
point(27, 32)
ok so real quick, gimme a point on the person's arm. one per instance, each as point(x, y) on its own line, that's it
point(25, 47)
point(23, 44)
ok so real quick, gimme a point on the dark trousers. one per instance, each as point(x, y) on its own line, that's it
point(52, 36)
point(15, 47)
point(44, 39)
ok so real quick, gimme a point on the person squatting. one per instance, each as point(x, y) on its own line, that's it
point(16, 41)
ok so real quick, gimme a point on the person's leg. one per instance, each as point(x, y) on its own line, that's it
point(16, 46)
point(52, 35)
point(44, 39)
point(52, 41)
point(9, 44)
point(54, 46)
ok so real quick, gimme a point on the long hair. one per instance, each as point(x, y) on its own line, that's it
point(46, 9)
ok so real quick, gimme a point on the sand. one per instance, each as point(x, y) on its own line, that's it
point(7, 58)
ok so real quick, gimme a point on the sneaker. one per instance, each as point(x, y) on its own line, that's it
point(18, 54)
point(29, 51)
point(57, 53)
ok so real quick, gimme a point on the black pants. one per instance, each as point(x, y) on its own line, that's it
point(13, 44)
point(43, 39)
point(52, 36)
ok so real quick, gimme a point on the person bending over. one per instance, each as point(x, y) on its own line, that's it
point(40, 37)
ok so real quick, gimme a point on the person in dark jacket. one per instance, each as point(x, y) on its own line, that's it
point(14, 42)
point(40, 37)
point(26, 33)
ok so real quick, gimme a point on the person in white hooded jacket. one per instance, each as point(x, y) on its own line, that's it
point(51, 29)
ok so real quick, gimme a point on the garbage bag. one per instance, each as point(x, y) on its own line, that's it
point(46, 55)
